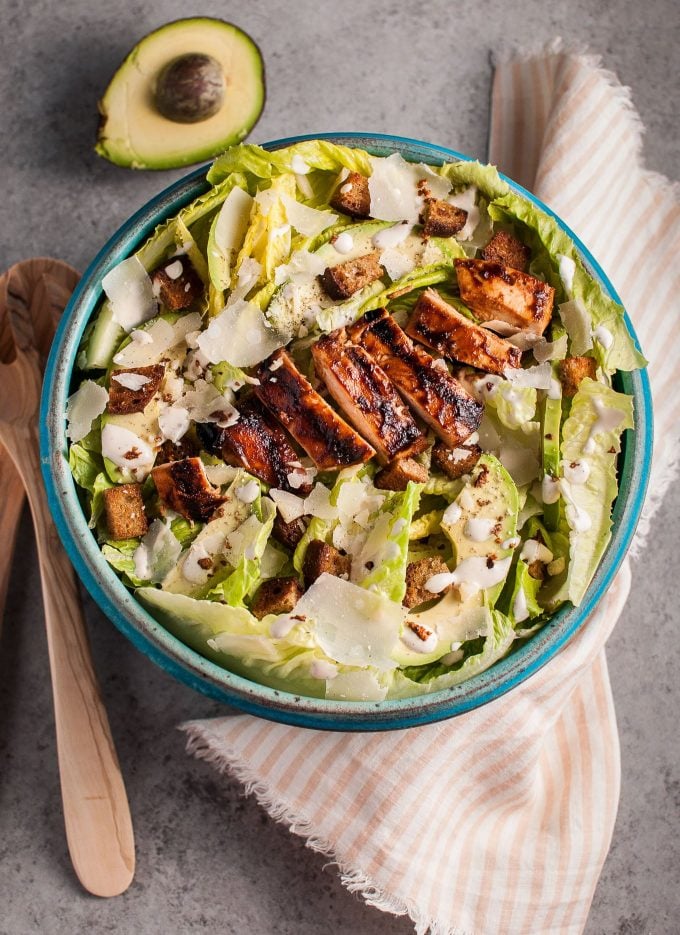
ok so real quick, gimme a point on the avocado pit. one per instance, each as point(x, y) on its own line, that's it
point(190, 88)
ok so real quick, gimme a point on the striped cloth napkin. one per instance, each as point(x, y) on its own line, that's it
point(498, 822)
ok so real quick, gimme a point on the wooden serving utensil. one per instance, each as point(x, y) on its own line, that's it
point(96, 812)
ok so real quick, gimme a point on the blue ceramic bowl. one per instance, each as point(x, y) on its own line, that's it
point(187, 665)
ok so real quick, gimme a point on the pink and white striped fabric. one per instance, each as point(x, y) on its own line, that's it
point(498, 822)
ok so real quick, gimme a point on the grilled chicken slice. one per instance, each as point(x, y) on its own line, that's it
point(183, 486)
point(499, 293)
point(425, 384)
point(291, 398)
point(435, 323)
point(259, 444)
point(364, 393)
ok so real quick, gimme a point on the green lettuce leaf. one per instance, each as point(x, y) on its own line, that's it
point(261, 164)
point(389, 549)
point(234, 589)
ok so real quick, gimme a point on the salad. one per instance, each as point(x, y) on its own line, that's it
point(346, 424)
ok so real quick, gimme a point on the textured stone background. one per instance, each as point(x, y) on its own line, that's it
point(209, 860)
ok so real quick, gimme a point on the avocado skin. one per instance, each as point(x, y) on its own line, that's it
point(116, 148)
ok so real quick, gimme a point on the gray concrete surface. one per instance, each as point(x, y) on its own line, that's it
point(209, 860)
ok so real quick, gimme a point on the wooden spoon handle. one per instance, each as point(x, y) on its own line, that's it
point(11, 504)
point(96, 811)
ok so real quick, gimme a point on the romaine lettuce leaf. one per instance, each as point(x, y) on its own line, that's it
point(317, 154)
point(387, 544)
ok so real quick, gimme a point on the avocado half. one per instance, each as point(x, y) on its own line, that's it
point(132, 130)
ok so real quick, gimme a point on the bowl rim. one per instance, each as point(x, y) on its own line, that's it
point(186, 664)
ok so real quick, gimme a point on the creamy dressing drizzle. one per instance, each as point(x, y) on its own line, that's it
point(607, 420)
point(550, 489)
point(576, 472)
point(578, 518)
point(416, 642)
point(479, 530)
point(392, 236)
point(604, 336)
point(344, 242)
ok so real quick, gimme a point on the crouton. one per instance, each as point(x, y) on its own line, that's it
point(124, 509)
point(498, 293)
point(574, 369)
point(454, 462)
point(183, 486)
point(175, 451)
point(123, 399)
point(276, 596)
point(320, 558)
point(343, 280)
point(505, 248)
point(289, 534)
point(440, 219)
point(538, 570)
point(398, 473)
point(176, 283)
point(417, 575)
point(352, 196)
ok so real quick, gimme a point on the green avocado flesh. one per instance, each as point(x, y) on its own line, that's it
point(134, 133)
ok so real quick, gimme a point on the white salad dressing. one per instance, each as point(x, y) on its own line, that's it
point(282, 626)
point(475, 573)
point(344, 242)
point(550, 489)
point(567, 270)
point(604, 336)
point(174, 270)
point(511, 543)
point(419, 638)
point(479, 530)
point(578, 518)
point(576, 472)
point(451, 515)
point(607, 420)
point(555, 389)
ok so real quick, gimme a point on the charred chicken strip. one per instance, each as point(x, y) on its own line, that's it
point(364, 393)
point(291, 398)
point(435, 323)
point(259, 444)
point(183, 486)
point(428, 387)
point(499, 293)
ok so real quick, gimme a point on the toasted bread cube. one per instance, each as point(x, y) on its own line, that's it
point(289, 534)
point(507, 249)
point(498, 293)
point(440, 219)
point(455, 462)
point(343, 280)
point(176, 283)
point(398, 473)
point(352, 196)
point(124, 400)
point(124, 509)
point(417, 575)
point(276, 596)
point(538, 570)
point(574, 369)
point(322, 558)
point(184, 488)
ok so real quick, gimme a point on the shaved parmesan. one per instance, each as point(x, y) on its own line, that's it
point(550, 350)
point(240, 336)
point(220, 474)
point(159, 338)
point(232, 221)
point(302, 266)
point(174, 270)
point(298, 165)
point(131, 381)
point(503, 328)
point(576, 320)
point(132, 456)
point(206, 404)
point(83, 407)
point(308, 221)
point(318, 503)
point(467, 200)
point(248, 492)
point(248, 275)
point(199, 562)
point(539, 377)
point(396, 263)
point(289, 505)
point(393, 188)
point(157, 553)
point(128, 289)
point(352, 625)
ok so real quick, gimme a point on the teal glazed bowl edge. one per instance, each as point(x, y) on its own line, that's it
point(188, 666)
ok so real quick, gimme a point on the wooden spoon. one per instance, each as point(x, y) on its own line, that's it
point(54, 282)
point(96, 811)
